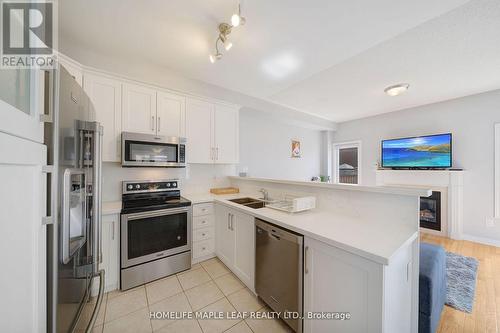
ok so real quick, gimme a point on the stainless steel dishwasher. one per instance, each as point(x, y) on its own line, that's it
point(279, 270)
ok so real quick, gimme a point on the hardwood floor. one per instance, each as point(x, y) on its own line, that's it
point(485, 316)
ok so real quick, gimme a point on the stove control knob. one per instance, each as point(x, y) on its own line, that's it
point(168, 184)
point(130, 186)
point(137, 186)
point(174, 184)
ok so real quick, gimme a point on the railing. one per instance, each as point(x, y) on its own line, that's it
point(348, 179)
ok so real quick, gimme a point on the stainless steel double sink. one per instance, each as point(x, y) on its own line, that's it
point(249, 202)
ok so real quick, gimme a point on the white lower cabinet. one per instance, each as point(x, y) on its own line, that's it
point(110, 251)
point(244, 250)
point(224, 236)
point(339, 281)
point(203, 232)
point(235, 242)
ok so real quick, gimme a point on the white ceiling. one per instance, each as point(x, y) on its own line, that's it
point(330, 58)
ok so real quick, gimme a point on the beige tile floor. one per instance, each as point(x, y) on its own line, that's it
point(208, 286)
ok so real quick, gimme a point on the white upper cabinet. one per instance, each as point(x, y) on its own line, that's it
point(226, 134)
point(199, 131)
point(171, 114)
point(139, 109)
point(106, 96)
point(212, 131)
point(211, 127)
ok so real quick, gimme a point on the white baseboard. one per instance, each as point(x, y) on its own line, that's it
point(482, 240)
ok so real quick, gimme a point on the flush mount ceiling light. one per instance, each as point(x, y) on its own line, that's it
point(396, 89)
point(224, 31)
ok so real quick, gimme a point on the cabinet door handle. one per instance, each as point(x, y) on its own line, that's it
point(229, 221)
point(232, 220)
point(49, 170)
point(113, 230)
point(217, 153)
point(152, 123)
point(159, 125)
point(306, 250)
point(48, 114)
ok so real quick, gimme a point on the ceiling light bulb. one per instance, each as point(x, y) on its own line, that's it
point(235, 20)
point(228, 45)
point(214, 57)
point(397, 89)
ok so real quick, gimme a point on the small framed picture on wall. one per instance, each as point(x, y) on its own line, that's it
point(296, 149)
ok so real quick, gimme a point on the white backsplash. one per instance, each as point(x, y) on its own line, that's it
point(195, 178)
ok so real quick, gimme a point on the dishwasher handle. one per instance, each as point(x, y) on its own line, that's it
point(277, 232)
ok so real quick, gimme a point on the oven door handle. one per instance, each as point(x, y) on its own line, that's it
point(163, 212)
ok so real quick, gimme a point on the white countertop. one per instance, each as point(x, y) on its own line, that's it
point(372, 240)
point(399, 190)
point(376, 241)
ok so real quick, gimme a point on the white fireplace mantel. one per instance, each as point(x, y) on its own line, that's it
point(448, 181)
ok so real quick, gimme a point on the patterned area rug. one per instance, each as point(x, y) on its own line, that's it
point(461, 273)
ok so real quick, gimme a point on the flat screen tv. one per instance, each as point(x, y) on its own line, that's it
point(420, 152)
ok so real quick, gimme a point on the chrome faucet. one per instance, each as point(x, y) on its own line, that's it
point(265, 193)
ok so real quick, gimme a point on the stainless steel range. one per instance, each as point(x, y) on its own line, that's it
point(155, 232)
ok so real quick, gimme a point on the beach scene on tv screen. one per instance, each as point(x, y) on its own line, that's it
point(429, 152)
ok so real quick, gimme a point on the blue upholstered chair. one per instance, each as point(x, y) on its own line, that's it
point(432, 287)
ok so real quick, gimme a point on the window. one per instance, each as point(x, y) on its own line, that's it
point(347, 162)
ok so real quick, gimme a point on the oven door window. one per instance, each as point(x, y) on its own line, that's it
point(138, 151)
point(156, 234)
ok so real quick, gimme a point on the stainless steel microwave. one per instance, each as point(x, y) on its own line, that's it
point(146, 150)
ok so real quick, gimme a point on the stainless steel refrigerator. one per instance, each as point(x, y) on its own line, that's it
point(74, 141)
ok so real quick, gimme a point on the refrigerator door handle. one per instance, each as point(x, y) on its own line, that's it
point(95, 313)
point(97, 208)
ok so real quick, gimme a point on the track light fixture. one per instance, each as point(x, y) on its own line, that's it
point(224, 31)
point(237, 19)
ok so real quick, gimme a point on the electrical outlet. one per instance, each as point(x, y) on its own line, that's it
point(490, 222)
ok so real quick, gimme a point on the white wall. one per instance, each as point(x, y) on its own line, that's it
point(471, 120)
point(196, 178)
point(265, 147)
